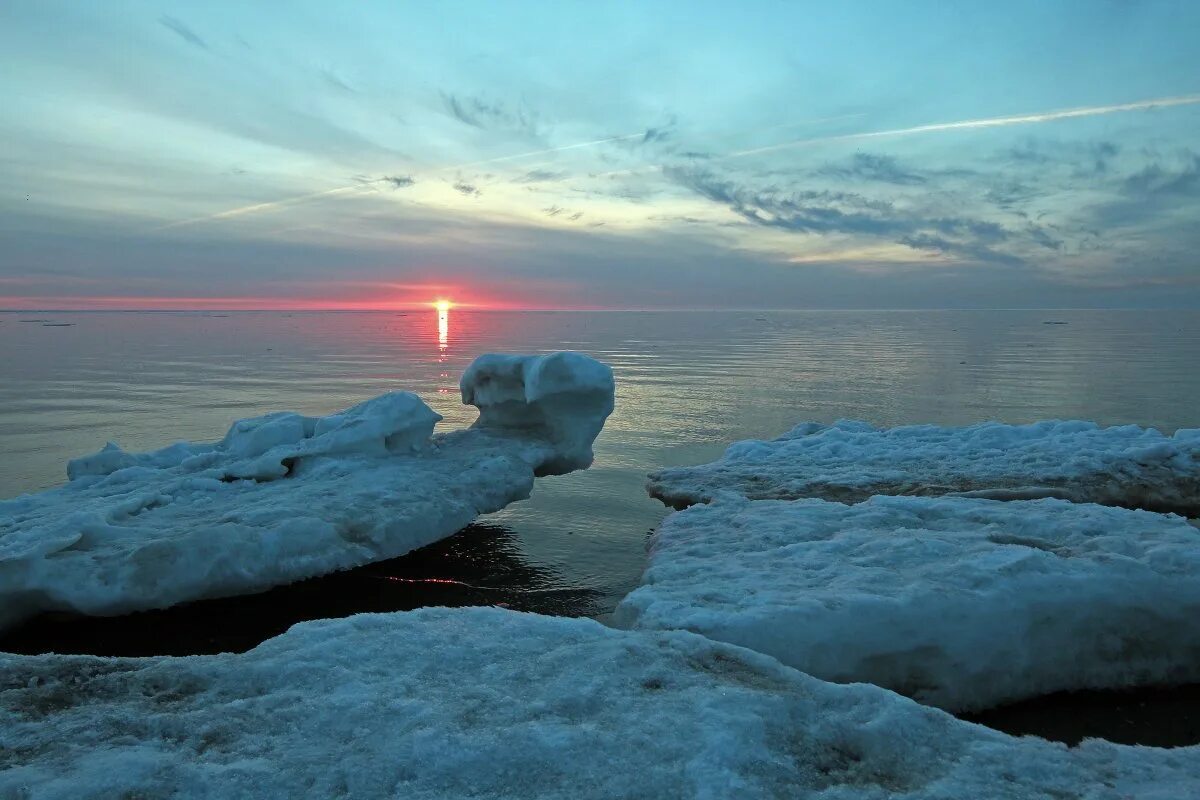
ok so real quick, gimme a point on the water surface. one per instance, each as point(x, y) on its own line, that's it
point(688, 383)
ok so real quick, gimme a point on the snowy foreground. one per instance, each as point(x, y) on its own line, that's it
point(445, 703)
point(961, 603)
point(850, 461)
point(284, 497)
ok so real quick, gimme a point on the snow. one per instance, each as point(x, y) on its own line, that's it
point(443, 703)
point(284, 497)
point(850, 461)
point(960, 603)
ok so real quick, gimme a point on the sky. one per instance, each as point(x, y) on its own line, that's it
point(599, 155)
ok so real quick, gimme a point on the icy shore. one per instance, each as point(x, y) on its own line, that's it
point(960, 603)
point(284, 497)
point(444, 703)
point(851, 461)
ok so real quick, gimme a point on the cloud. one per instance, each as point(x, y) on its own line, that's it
point(805, 211)
point(838, 212)
point(1040, 237)
point(656, 135)
point(467, 189)
point(1086, 159)
point(1157, 180)
point(336, 82)
point(183, 31)
point(541, 176)
point(872, 167)
point(491, 115)
point(398, 181)
point(564, 213)
point(662, 138)
point(1151, 214)
point(950, 247)
point(1008, 193)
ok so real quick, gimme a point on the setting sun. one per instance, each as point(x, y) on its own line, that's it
point(442, 306)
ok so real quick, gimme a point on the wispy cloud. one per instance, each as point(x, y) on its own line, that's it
point(467, 189)
point(873, 167)
point(824, 212)
point(1156, 179)
point(492, 114)
point(541, 176)
point(656, 135)
point(334, 80)
point(183, 31)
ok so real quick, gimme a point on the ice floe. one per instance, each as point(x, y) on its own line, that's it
point(960, 603)
point(850, 461)
point(284, 497)
point(442, 703)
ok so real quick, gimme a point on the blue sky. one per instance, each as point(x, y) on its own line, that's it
point(767, 155)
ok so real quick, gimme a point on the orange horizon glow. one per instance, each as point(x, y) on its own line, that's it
point(258, 303)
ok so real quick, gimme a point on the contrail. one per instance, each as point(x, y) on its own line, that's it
point(544, 152)
point(250, 209)
point(794, 124)
point(988, 122)
point(234, 212)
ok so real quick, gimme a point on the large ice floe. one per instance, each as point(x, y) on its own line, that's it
point(850, 461)
point(447, 703)
point(961, 603)
point(284, 497)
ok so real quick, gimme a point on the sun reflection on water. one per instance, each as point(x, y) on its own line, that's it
point(443, 317)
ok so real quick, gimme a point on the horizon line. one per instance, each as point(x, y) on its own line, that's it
point(466, 308)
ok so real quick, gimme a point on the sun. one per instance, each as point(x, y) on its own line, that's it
point(442, 306)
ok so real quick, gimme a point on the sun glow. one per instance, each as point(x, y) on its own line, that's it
point(442, 306)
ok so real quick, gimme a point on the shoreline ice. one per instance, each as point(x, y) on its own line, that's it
point(285, 497)
point(490, 703)
point(850, 461)
point(964, 604)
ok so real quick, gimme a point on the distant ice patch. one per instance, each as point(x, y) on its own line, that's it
point(284, 496)
point(960, 603)
point(446, 703)
point(850, 461)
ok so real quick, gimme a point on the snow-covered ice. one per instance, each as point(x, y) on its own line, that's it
point(960, 603)
point(563, 399)
point(284, 497)
point(447, 703)
point(850, 461)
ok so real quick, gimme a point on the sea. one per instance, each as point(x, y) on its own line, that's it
point(688, 384)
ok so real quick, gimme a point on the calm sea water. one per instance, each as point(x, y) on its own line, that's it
point(688, 383)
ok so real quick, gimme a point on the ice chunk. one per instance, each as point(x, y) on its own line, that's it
point(563, 397)
point(489, 703)
point(850, 461)
point(262, 448)
point(963, 604)
point(284, 497)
